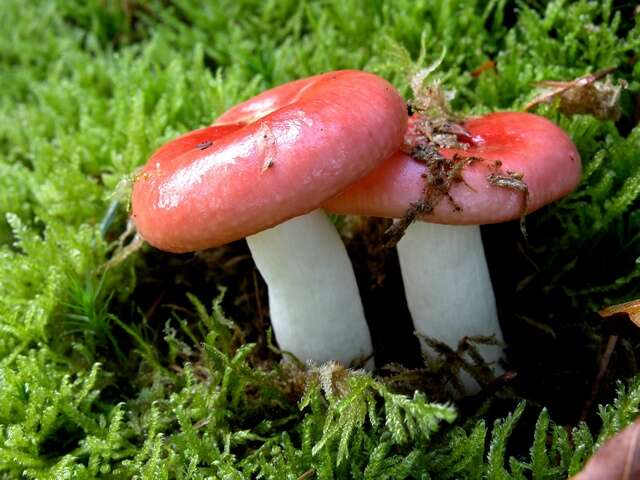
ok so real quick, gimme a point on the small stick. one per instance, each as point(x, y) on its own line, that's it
point(307, 475)
point(604, 364)
point(561, 87)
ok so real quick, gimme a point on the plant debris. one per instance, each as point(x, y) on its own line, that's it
point(584, 95)
point(430, 98)
point(435, 126)
point(444, 368)
point(513, 181)
point(440, 175)
point(122, 250)
point(204, 145)
point(486, 66)
point(604, 365)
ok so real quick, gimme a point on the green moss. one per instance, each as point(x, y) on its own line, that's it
point(118, 373)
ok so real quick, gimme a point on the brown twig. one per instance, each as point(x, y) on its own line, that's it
point(154, 306)
point(604, 364)
point(559, 87)
point(256, 288)
point(307, 475)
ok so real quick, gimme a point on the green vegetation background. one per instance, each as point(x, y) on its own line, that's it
point(119, 373)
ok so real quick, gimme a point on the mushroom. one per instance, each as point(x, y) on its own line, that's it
point(261, 172)
point(513, 163)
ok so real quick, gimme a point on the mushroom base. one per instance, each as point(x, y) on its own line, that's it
point(314, 302)
point(448, 287)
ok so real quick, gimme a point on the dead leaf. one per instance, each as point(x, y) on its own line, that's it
point(632, 309)
point(584, 95)
point(617, 459)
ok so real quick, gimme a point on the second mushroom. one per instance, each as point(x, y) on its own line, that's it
point(511, 164)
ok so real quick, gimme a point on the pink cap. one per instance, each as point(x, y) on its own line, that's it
point(277, 156)
point(522, 142)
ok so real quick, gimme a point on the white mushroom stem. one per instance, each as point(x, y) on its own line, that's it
point(447, 285)
point(315, 306)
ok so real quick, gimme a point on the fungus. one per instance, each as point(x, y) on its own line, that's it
point(444, 269)
point(261, 172)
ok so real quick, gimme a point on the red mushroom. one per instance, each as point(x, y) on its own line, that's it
point(261, 172)
point(521, 162)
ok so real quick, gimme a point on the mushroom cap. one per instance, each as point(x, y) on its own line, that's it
point(274, 157)
point(523, 142)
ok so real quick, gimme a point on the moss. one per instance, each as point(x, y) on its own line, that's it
point(118, 372)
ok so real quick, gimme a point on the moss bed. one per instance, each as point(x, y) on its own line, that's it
point(161, 366)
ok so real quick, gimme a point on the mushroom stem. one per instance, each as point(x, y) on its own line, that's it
point(315, 306)
point(447, 285)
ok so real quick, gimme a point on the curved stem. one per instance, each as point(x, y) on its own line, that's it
point(447, 284)
point(315, 306)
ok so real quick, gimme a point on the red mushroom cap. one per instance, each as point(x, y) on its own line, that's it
point(523, 142)
point(277, 156)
